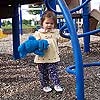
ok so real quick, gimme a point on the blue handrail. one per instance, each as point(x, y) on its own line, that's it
point(76, 50)
point(71, 69)
point(71, 11)
point(81, 35)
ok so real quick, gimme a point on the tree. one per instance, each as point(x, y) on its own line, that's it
point(8, 22)
point(25, 22)
point(3, 23)
point(29, 22)
point(36, 9)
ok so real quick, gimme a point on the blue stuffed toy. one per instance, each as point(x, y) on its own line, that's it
point(33, 46)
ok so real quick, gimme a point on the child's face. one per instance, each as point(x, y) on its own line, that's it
point(48, 24)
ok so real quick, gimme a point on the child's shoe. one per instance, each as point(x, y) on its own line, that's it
point(58, 88)
point(47, 89)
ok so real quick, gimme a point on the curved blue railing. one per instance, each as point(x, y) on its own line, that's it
point(71, 69)
point(82, 35)
point(76, 50)
point(71, 11)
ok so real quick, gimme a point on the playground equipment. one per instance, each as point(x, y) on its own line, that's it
point(95, 19)
point(78, 68)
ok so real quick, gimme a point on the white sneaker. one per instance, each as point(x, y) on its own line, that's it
point(47, 89)
point(58, 88)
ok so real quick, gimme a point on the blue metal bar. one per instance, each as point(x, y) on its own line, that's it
point(50, 4)
point(86, 27)
point(71, 69)
point(89, 33)
point(76, 50)
point(59, 25)
point(20, 23)
point(81, 6)
point(15, 31)
point(81, 35)
point(0, 23)
point(71, 11)
point(41, 11)
point(92, 64)
point(64, 27)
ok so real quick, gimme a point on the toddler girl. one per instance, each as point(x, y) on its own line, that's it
point(48, 64)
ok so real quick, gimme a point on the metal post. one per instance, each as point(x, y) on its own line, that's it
point(21, 32)
point(15, 31)
point(86, 27)
point(52, 4)
point(41, 11)
point(76, 50)
point(0, 23)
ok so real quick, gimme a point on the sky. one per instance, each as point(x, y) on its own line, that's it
point(26, 15)
point(94, 5)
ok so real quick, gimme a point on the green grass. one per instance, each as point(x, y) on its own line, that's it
point(23, 26)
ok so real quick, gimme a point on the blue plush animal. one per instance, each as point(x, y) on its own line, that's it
point(33, 46)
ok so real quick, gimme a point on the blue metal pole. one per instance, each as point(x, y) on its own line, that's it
point(21, 31)
point(52, 4)
point(0, 23)
point(41, 11)
point(15, 31)
point(76, 50)
point(58, 21)
point(86, 26)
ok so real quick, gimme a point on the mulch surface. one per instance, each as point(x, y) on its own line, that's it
point(19, 79)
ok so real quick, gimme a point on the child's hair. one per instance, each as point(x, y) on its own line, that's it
point(49, 14)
